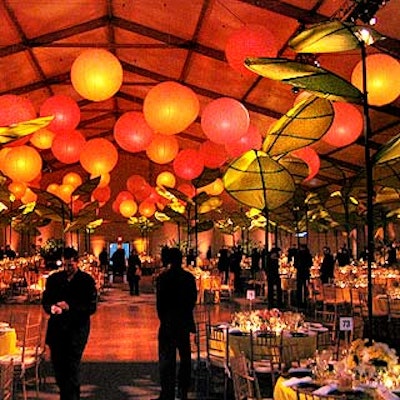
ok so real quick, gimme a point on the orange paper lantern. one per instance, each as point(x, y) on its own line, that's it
point(29, 196)
point(214, 154)
point(98, 156)
point(65, 110)
point(170, 107)
point(102, 194)
point(14, 109)
point(67, 146)
point(188, 164)
point(73, 179)
point(166, 179)
point(252, 140)
point(65, 192)
point(249, 41)
point(53, 188)
point(147, 208)
point(96, 74)
point(225, 120)
point(346, 127)
point(382, 78)
point(22, 164)
point(18, 189)
point(43, 138)
point(162, 149)
point(3, 152)
point(132, 132)
point(128, 208)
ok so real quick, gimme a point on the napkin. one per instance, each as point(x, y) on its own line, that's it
point(295, 381)
point(386, 394)
point(326, 389)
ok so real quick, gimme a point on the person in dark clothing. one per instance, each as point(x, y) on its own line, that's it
point(255, 262)
point(234, 266)
point(134, 273)
point(391, 254)
point(274, 279)
point(70, 298)
point(209, 253)
point(176, 299)
point(327, 266)
point(223, 264)
point(302, 263)
point(291, 253)
point(9, 252)
point(165, 255)
point(343, 256)
point(118, 261)
point(103, 260)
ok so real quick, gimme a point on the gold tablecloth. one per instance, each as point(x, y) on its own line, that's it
point(306, 346)
point(8, 339)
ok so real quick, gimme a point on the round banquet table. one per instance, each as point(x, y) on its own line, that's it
point(305, 345)
point(8, 339)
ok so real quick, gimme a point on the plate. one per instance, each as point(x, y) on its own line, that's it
point(315, 325)
point(299, 372)
point(320, 329)
point(298, 334)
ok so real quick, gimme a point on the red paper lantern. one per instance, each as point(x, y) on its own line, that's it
point(77, 206)
point(132, 132)
point(214, 154)
point(252, 140)
point(249, 41)
point(147, 208)
point(67, 146)
point(128, 208)
point(162, 149)
point(14, 109)
point(141, 193)
point(96, 74)
point(225, 120)
point(346, 127)
point(382, 78)
point(73, 179)
point(22, 164)
point(170, 107)
point(188, 164)
point(65, 110)
point(135, 182)
point(18, 189)
point(124, 195)
point(43, 138)
point(102, 194)
point(311, 158)
point(98, 156)
point(166, 179)
point(188, 189)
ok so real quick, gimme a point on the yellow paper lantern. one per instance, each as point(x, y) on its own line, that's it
point(22, 164)
point(43, 138)
point(73, 179)
point(65, 192)
point(166, 179)
point(18, 189)
point(162, 149)
point(147, 208)
point(98, 156)
point(170, 107)
point(128, 208)
point(382, 78)
point(96, 74)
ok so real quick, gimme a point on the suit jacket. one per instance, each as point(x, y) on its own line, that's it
point(176, 299)
point(81, 295)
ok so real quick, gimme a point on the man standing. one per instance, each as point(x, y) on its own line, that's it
point(302, 262)
point(70, 298)
point(176, 299)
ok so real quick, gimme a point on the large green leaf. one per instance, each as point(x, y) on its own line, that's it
point(208, 176)
point(86, 188)
point(14, 132)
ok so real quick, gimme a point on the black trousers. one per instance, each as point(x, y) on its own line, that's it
point(66, 358)
point(169, 341)
point(134, 284)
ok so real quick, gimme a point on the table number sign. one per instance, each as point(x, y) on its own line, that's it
point(346, 324)
point(250, 294)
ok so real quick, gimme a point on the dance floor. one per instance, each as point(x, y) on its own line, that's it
point(120, 360)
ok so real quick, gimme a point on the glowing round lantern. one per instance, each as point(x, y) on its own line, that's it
point(128, 208)
point(141, 193)
point(311, 158)
point(170, 107)
point(252, 140)
point(124, 195)
point(14, 109)
point(135, 182)
point(225, 120)
point(382, 78)
point(132, 132)
point(162, 149)
point(166, 179)
point(43, 138)
point(77, 206)
point(73, 179)
point(65, 110)
point(96, 74)
point(188, 164)
point(22, 163)
point(29, 196)
point(18, 189)
point(65, 192)
point(249, 41)
point(188, 189)
point(98, 156)
point(104, 179)
point(346, 127)
point(3, 152)
point(214, 154)
point(67, 146)
point(53, 188)
point(215, 188)
point(147, 208)
point(102, 195)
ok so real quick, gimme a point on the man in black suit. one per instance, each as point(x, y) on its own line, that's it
point(70, 298)
point(176, 299)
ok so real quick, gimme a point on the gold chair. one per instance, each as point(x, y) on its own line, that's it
point(329, 319)
point(7, 380)
point(333, 298)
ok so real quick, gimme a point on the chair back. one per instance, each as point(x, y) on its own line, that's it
point(217, 339)
point(268, 347)
point(245, 385)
